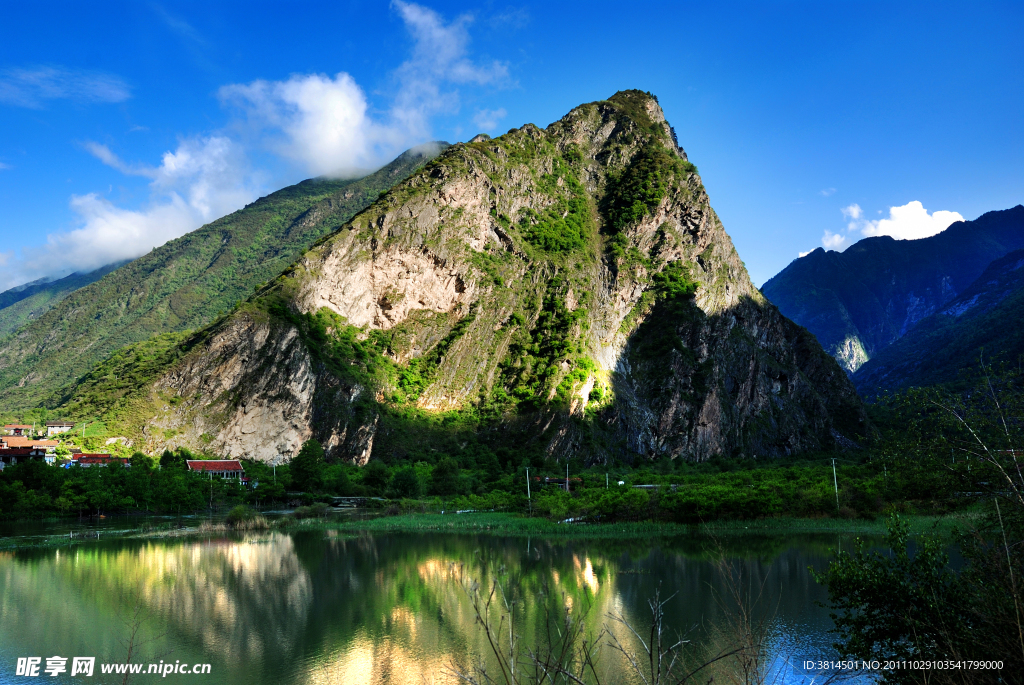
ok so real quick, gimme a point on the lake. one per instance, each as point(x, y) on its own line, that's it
point(325, 606)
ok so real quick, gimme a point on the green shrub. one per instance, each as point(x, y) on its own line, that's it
point(406, 483)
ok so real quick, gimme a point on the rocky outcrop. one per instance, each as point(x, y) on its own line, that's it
point(254, 391)
point(571, 287)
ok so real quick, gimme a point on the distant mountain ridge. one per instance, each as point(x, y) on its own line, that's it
point(860, 301)
point(983, 321)
point(28, 301)
point(186, 282)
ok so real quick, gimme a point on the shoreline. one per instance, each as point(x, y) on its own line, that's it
point(515, 525)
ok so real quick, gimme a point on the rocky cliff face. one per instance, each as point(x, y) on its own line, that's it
point(860, 301)
point(570, 286)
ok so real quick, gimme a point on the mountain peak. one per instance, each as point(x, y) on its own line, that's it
point(568, 289)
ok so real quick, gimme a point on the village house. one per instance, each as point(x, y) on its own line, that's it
point(17, 429)
point(58, 427)
point(225, 468)
point(88, 460)
point(8, 442)
point(13, 455)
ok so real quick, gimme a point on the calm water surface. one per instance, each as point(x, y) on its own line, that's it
point(325, 607)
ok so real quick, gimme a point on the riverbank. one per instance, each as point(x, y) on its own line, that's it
point(496, 523)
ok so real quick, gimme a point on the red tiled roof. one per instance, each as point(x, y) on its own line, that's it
point(99, 459)
point(19, 452)
point(16, 425)
point(22, 441)
point(215, 465)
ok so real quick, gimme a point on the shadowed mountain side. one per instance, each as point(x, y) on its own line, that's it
point(186, 282)
point(983, 320)
point(744, 381)
point(859, 301)
point(30, 301)
point(567, 289)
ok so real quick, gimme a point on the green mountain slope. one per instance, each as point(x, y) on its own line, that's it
point(20, 305)
point(859, 301)
point(985, 318)
point(560, 292)
point(185, 283)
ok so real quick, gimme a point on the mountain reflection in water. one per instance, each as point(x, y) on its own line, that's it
point(314, 607)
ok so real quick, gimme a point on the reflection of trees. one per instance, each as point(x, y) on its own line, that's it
point(328, 607)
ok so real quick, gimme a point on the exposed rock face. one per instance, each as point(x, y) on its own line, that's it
point(572, 286)
point(860, 301)
point(255, 392)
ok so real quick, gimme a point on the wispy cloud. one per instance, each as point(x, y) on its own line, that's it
point(906, 222)
point(33, 87)
point(202, 179)
point(487, 119)
point(322, 124)
point(4, 166)
point(325, 125)
point(103, 153)
point(511, 17)
point(827, 192)
point(178, 25)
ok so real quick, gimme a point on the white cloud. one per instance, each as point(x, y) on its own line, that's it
point(325, 125)
point(852, 212)
point(202, 180)
point(827, 192)
point(5, 166)
point(833, 241)
point(322, 124)
point(487, 119)
point(906, 222)
point(804, 254)
point(319, 122)
point(103, 153)
point(32, 87)
point(910, 222)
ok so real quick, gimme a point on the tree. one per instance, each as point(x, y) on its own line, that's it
point(908, 603)
point(308, 467)
point(405, 483)
point(172, 460)
point(337, 480)
point(141, 461)
point(444, 480)
point(376, 477)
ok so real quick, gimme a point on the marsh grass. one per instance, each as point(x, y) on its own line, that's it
point(501, 523)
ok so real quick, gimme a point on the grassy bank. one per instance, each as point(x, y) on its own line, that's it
point(497, 523)
point(507, 524)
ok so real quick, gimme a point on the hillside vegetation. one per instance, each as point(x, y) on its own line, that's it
point(566, 290)
point(20, 305)
point(185, 283)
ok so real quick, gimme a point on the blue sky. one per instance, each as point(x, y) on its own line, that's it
point(123, 125)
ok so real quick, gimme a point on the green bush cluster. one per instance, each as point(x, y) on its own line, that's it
point(528, 373)
point(566, 225)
